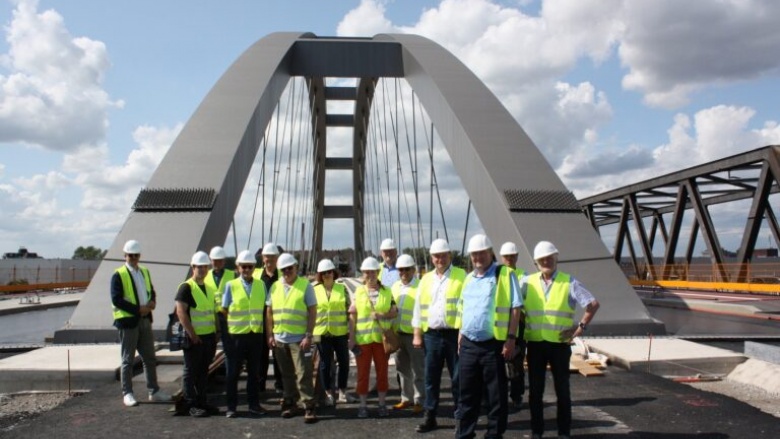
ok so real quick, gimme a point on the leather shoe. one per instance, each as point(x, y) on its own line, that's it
point(429, 424)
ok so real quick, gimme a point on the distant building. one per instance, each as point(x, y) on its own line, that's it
point(21, 254)
point(765, 253)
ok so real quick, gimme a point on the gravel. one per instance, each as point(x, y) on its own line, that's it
point(21, 407)
point(757, 397)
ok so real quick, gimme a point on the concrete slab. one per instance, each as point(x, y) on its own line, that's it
point(763, 351)
point(759, 374)
point(48, 369)
point(166, 356)
point(666, 356)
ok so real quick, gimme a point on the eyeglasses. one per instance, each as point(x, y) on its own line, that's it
point(201, 267)
point(134, 255)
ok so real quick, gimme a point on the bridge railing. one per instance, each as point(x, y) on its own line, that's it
point(14, 279)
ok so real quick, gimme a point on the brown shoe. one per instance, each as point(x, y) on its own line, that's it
point(309, 417)
point(288, 411)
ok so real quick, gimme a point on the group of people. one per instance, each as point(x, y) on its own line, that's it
point(480, 324)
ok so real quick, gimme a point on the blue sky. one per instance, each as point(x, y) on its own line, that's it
point(612, 92)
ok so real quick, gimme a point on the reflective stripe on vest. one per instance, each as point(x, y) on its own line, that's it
point(291, 312)
point(331, 312)
point(129, 290)
point(546, 318)
point(452, 297)
point(502, 302)
point(367, 329)
point(202, 315)
point(405, 305)
point(218, 290)
point(245, 313)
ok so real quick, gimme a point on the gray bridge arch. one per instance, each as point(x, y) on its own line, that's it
point(515, 192)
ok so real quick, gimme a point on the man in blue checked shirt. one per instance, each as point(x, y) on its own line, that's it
point(490, 307)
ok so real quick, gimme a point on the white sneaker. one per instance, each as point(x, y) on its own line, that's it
point(129, 400)
point(346, 397)
point(159, 396)
point(329, 402)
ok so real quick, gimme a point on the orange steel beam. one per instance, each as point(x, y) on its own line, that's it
point(737, 287)
point(38, 287)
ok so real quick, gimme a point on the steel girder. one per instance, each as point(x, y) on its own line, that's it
point(515, 192)
point(751, 175)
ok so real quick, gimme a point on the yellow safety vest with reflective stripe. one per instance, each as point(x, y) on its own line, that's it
point(203, 314)
point(258, 273)
point(367, 329)
point(502, 302)
point(546, 318)
point(405, 305)
point(519, 273)
point(452, 297)
point(291, 312)
point(245, 313)
point(331, 312)
point(218, 290)
point(128, 289)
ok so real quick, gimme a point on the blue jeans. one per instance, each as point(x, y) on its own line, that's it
point(441, 346)
point(482, 370)
point(327, 346)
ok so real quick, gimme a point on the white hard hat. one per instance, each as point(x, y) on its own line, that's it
point(508, 248)
point(132, 247)
point(404, 261)
point(325, 265)
point(439, 246)
point(217, 253)
point(543, 249)
point(387, 244)
point(270, 249)
point(200, 258)
point(479, 242)
point(369, 263)
point(246, 257)
point(286, 260)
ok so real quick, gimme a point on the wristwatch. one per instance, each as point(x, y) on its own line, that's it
point(583, 326)
point(511, 336)
point(307, 335)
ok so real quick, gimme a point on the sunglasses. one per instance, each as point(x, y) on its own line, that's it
point(134, 255)
point(288, 269)
point(246, 267)
point(406, 269)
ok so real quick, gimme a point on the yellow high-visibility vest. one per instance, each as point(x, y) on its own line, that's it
point(290, 313)
point(452, 297)
point(502, 302)
point(403, 322)
point(367, 329)
point(203, 315)
point(331, 312)
point(547, 317)
point(218, 290)
point(245, 313)
point(127, 289)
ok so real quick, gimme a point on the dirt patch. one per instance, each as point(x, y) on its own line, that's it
point(18, 408)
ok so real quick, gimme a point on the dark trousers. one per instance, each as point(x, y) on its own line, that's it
point(482, 370)
point(263, 377)
point(197, 359)
point(557, 355)
point(224, 338)
point(441, 346)
point(245, 347)
point(516, 371)
point(327, 347)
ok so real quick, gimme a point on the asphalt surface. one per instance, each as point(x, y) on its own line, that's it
point(621, 404)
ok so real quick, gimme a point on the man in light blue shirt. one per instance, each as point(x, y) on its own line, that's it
point(388, 272)
point(490, 312)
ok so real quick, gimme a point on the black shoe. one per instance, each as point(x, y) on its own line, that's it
point(429, 424)
point(197, 412)
point(257, 410)
point(211, 410)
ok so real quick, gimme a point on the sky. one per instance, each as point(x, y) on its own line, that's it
point(612, 92)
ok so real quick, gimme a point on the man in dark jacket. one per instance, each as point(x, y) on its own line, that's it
point(133, 298)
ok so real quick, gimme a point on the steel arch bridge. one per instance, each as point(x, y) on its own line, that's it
point(514, 190)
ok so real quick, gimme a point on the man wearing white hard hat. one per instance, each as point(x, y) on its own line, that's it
point(216, 280)
point(269, 274)
point(388, 272)
point(436, 322)
point(409, 362)
point(551, 297)
point(244, 303)
point(133, 299)
point(514, 366)
point(290, 316)
point(196, 309)
point(490, 309)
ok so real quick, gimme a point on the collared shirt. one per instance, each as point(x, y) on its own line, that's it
point(309, 298)
point(227, 296)
point(578, 294)
point(269, 280)
point(390, 275)
point(436, 309)
point(478, 300)
point(140, 284)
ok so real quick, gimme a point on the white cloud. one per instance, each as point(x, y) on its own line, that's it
point(53, 94)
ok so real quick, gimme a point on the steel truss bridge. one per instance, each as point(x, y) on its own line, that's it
point(190, 202)
point(665, 201)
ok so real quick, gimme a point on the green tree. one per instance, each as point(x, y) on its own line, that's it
point(90, 253)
